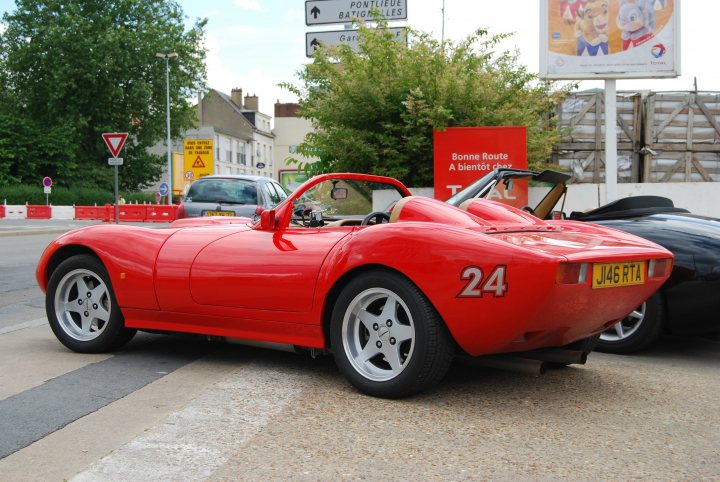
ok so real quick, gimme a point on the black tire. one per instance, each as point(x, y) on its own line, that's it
point(96, 324)
point(408, 347)
point(637, 331)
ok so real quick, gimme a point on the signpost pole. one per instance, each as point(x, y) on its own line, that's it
point(611, 189)
point(115, 142)
point(47, 182)
point(169, 145)
point(117, 208)
point(167, 57)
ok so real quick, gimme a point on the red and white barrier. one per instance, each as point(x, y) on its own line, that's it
point(38, 212)
point(136, 213)
point(13, 211)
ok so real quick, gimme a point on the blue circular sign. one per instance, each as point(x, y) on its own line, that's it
point(164, 188)
point(47, 182)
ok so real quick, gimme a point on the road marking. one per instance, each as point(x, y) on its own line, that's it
point(22, 326)
point(193, 443)
point(35, 413)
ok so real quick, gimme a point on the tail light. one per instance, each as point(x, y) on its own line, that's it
point(571, 273)
point(180, 213)
point(659, 268)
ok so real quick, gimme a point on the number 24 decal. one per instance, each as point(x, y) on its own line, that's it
point(478, 283)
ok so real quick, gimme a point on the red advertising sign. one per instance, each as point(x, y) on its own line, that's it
point(465, 154)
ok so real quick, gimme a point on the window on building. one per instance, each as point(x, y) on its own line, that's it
point(241, 154)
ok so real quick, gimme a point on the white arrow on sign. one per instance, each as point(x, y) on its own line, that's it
point(115, 141)
point(323, 12)
point(313, 40)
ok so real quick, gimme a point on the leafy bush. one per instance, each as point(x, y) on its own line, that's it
point(375, 110)
point(63, 196)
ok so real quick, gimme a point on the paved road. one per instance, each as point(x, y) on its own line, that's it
point(177, 408)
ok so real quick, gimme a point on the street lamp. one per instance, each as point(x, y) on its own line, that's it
point(167, 58)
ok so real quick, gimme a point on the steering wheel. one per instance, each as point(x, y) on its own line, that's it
point(300, 212)
point(378, 216)
point(528, 209)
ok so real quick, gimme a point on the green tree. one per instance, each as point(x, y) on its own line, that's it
point(375, 110)
point(71, 70)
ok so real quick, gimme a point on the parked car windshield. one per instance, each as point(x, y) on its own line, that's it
point(234, 191)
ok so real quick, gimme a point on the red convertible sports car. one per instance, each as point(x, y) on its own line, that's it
point(393, 285)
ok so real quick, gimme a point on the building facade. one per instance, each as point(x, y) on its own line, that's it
point(242, 136)
point(290, 131)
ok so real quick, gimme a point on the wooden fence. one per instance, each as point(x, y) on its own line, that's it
point(661, 137)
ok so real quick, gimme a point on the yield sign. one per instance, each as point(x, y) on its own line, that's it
point(198, 163)
point(115, 141)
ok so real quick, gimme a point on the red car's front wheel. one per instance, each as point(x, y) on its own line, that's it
point(81, 307)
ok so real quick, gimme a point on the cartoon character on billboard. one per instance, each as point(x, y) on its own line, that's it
point(569, 9)
point(636, 21)
point(591, 28)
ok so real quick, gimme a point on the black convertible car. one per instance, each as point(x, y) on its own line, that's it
point(688, 303)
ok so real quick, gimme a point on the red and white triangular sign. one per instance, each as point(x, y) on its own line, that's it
point(115, 141)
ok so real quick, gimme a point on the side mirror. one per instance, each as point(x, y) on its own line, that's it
point(267, 220)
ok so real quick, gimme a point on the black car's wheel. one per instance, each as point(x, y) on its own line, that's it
point(387, 339)
point(637, 330)
point(82, 309)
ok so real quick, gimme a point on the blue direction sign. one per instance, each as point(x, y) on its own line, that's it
point(164, 188)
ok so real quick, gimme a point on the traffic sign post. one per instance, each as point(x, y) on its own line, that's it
point(115, 142)
point(323, 12)
point(313, 40)
point(47, 182)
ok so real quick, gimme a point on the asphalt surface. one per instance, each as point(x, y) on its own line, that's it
point(23, 227)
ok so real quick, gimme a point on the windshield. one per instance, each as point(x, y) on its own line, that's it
point(473, 190)
point(229, 191)
point(349, 198)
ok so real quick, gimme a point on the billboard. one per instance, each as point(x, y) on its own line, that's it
point(609, 39)
point(291, 179)
point(462, 155)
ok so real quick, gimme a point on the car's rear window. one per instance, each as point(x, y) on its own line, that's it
point(235, 191)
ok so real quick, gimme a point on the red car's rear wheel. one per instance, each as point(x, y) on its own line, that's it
point(387, 338)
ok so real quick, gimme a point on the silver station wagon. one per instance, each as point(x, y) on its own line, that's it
point(230, 195)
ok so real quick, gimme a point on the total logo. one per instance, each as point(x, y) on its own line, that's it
point(658, 50)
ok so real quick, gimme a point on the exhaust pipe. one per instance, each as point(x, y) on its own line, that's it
point(558, 355)
point(524, 365)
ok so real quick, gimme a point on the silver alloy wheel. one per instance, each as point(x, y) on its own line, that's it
point(625, 328)
point(378, 334)
point(82, 305)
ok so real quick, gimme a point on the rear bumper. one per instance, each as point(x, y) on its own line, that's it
point(560, 315)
